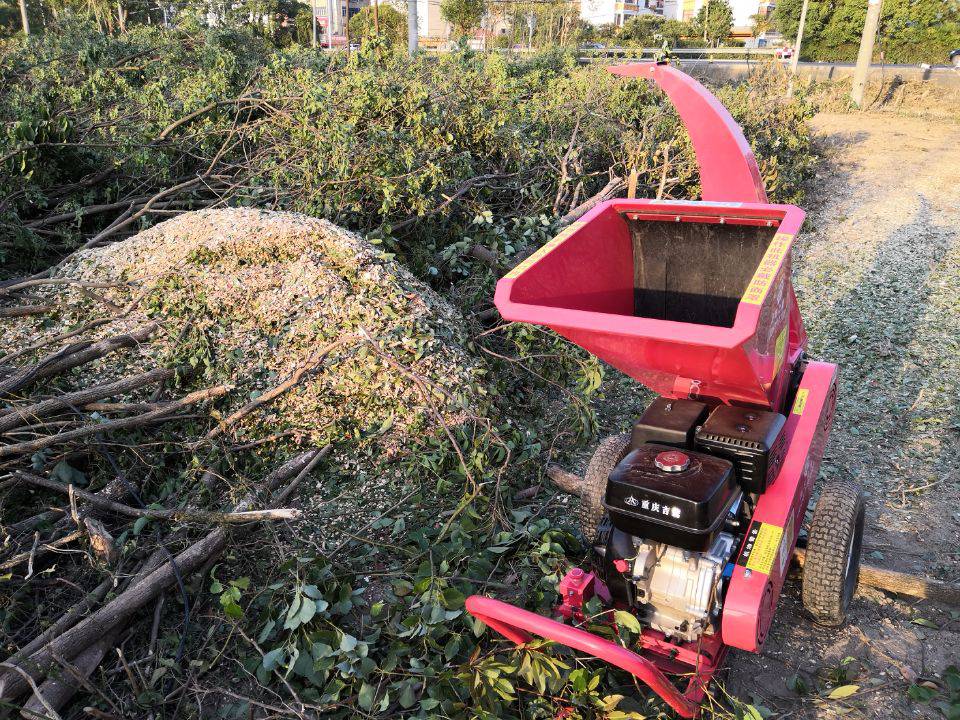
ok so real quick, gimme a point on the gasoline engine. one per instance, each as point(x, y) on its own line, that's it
point(678, 505)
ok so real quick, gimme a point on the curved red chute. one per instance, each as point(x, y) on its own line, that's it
point(728, 168)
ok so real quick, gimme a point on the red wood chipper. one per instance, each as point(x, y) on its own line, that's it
point(693, 516)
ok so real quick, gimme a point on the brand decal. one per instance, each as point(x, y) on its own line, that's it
point(801, 402)
point(650, 506)
point(767, 270)
point(780, 350)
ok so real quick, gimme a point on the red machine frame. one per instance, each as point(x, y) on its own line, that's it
point(750, 363)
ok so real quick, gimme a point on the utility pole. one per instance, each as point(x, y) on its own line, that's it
point(23, 17)
point(376, 15)
point(530, 22)
point(865, 55)
point(706, 21)
point(796, 48)
point(313, 13)
point(413, 30)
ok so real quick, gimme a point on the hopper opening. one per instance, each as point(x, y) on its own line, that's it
point(693, 272)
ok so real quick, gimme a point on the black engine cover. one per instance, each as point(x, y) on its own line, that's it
point(753, 440)
point(671, 422)
point(682, 503)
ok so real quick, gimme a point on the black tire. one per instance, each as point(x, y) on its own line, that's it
point(609, 452)
point(832, 566)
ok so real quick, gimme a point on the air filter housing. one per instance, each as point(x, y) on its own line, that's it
point(671, 422)
point(753, 440)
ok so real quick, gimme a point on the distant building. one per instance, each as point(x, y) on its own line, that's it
point(743, 11)
point(605, 12)
point(429, 22)
point(333, 13)
point(430, 26)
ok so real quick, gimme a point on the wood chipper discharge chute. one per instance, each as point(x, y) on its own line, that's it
point(693, 516)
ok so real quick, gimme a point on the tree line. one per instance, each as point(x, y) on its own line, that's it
point(911, 31)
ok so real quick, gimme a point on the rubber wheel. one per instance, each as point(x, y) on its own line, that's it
point(832, 565)
point(609, 452)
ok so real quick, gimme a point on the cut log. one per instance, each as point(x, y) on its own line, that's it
point(63, 623)
point(22, 416)
point(101, 541)
point(59, 688)
point(140, 592)
point(158, 415)
point(901, 583)
point(72, 356)
point(567, 481)
point(173, 515)
point(25, 310)
point(114, 613)
point(613, 187)
point(51, 340)
point(40, 550)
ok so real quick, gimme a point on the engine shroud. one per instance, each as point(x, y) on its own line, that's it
point(684, 506)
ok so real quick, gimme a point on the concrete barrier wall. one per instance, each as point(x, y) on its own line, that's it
point(822, 72)
point(723, 70)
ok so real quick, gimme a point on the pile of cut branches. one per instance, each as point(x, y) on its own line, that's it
point(147, 401)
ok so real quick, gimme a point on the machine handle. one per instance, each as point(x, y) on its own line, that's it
point(517, 624)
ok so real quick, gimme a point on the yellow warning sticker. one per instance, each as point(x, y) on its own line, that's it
point(767, 270)
point(544, 249)
point(779, 350)
point(761, 548)
point(801, 402)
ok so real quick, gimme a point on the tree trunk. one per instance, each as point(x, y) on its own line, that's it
point(23, 17)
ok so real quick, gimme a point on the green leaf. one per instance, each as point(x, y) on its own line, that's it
point(293, 613)
point(843, 691)
point(67, 474)
point(923, 622)
point(140, 524)
point(307, 610)
point(408, 697)
point(627, 620)
point(366, 696)
point(348, 642)
point(273, 659)
point(267, 629)
point(920, 693)
point(233, 610)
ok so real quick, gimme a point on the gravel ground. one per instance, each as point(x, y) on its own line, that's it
point(877, 275)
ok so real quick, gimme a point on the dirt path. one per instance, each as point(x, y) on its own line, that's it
point(878, 279)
